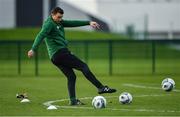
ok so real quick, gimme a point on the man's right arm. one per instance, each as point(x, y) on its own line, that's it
point(46, 29)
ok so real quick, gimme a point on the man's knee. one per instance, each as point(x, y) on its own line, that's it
point(84, 68)
point(71, 78)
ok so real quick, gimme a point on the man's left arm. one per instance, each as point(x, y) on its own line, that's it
point(76, 23)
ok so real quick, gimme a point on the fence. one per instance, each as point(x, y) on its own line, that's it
point(108, 57)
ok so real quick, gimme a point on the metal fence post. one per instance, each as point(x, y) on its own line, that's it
point(36, 64)
point(110, 57)
point(19, 57)
point(153, 57)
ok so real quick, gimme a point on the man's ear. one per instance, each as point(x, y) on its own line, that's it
point(52, 14)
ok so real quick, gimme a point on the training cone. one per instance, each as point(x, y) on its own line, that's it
point(51, 107)
point(25, 100)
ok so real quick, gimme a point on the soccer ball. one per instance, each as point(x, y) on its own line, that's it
point(168, 84)
point(125, 98)
point(99, 102)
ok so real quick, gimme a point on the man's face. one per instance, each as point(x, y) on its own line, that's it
point(57, 17)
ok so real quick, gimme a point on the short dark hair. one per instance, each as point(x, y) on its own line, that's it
point(57, 10)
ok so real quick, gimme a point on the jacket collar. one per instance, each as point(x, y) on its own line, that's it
point(50, 17)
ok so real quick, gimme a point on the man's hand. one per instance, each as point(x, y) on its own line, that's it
point(94, 25)
point(30, 53)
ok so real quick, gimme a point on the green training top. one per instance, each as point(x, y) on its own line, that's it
point(54, 34)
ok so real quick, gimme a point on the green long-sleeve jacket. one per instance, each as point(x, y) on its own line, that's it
point(54, 34)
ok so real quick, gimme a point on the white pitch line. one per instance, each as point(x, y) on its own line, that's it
point(48, 103)
point(151, 95)
point(146, 87)
point(115, 109)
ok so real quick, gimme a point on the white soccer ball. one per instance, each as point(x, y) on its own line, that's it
point(168, 80)
point(125, 98)
point(168, 84)
point(99, 102)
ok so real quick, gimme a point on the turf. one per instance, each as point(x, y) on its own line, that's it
point(148, 98)
point(127, 58)
point(30, 34)
point(101, 67)
point(131, 68)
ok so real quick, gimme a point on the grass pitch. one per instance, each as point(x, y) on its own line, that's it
point(148, 97)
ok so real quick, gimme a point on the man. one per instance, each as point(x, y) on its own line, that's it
point(53, 32)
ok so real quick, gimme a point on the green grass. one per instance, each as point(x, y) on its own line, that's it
point(132, 64)
point(99, 66)
point(30, 34)
point(127, 58)
point(41, 89)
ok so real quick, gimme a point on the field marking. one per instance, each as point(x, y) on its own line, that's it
point(146, 87)
point(116, 109)
point(48, 103)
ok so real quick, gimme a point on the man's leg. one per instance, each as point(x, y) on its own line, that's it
point(69, 60)
point(83, 67)
point(73, 62)
point(71, 81)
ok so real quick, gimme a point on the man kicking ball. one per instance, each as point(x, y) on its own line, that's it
point(53, 32)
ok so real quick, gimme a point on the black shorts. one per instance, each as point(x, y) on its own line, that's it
point(65, 58)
